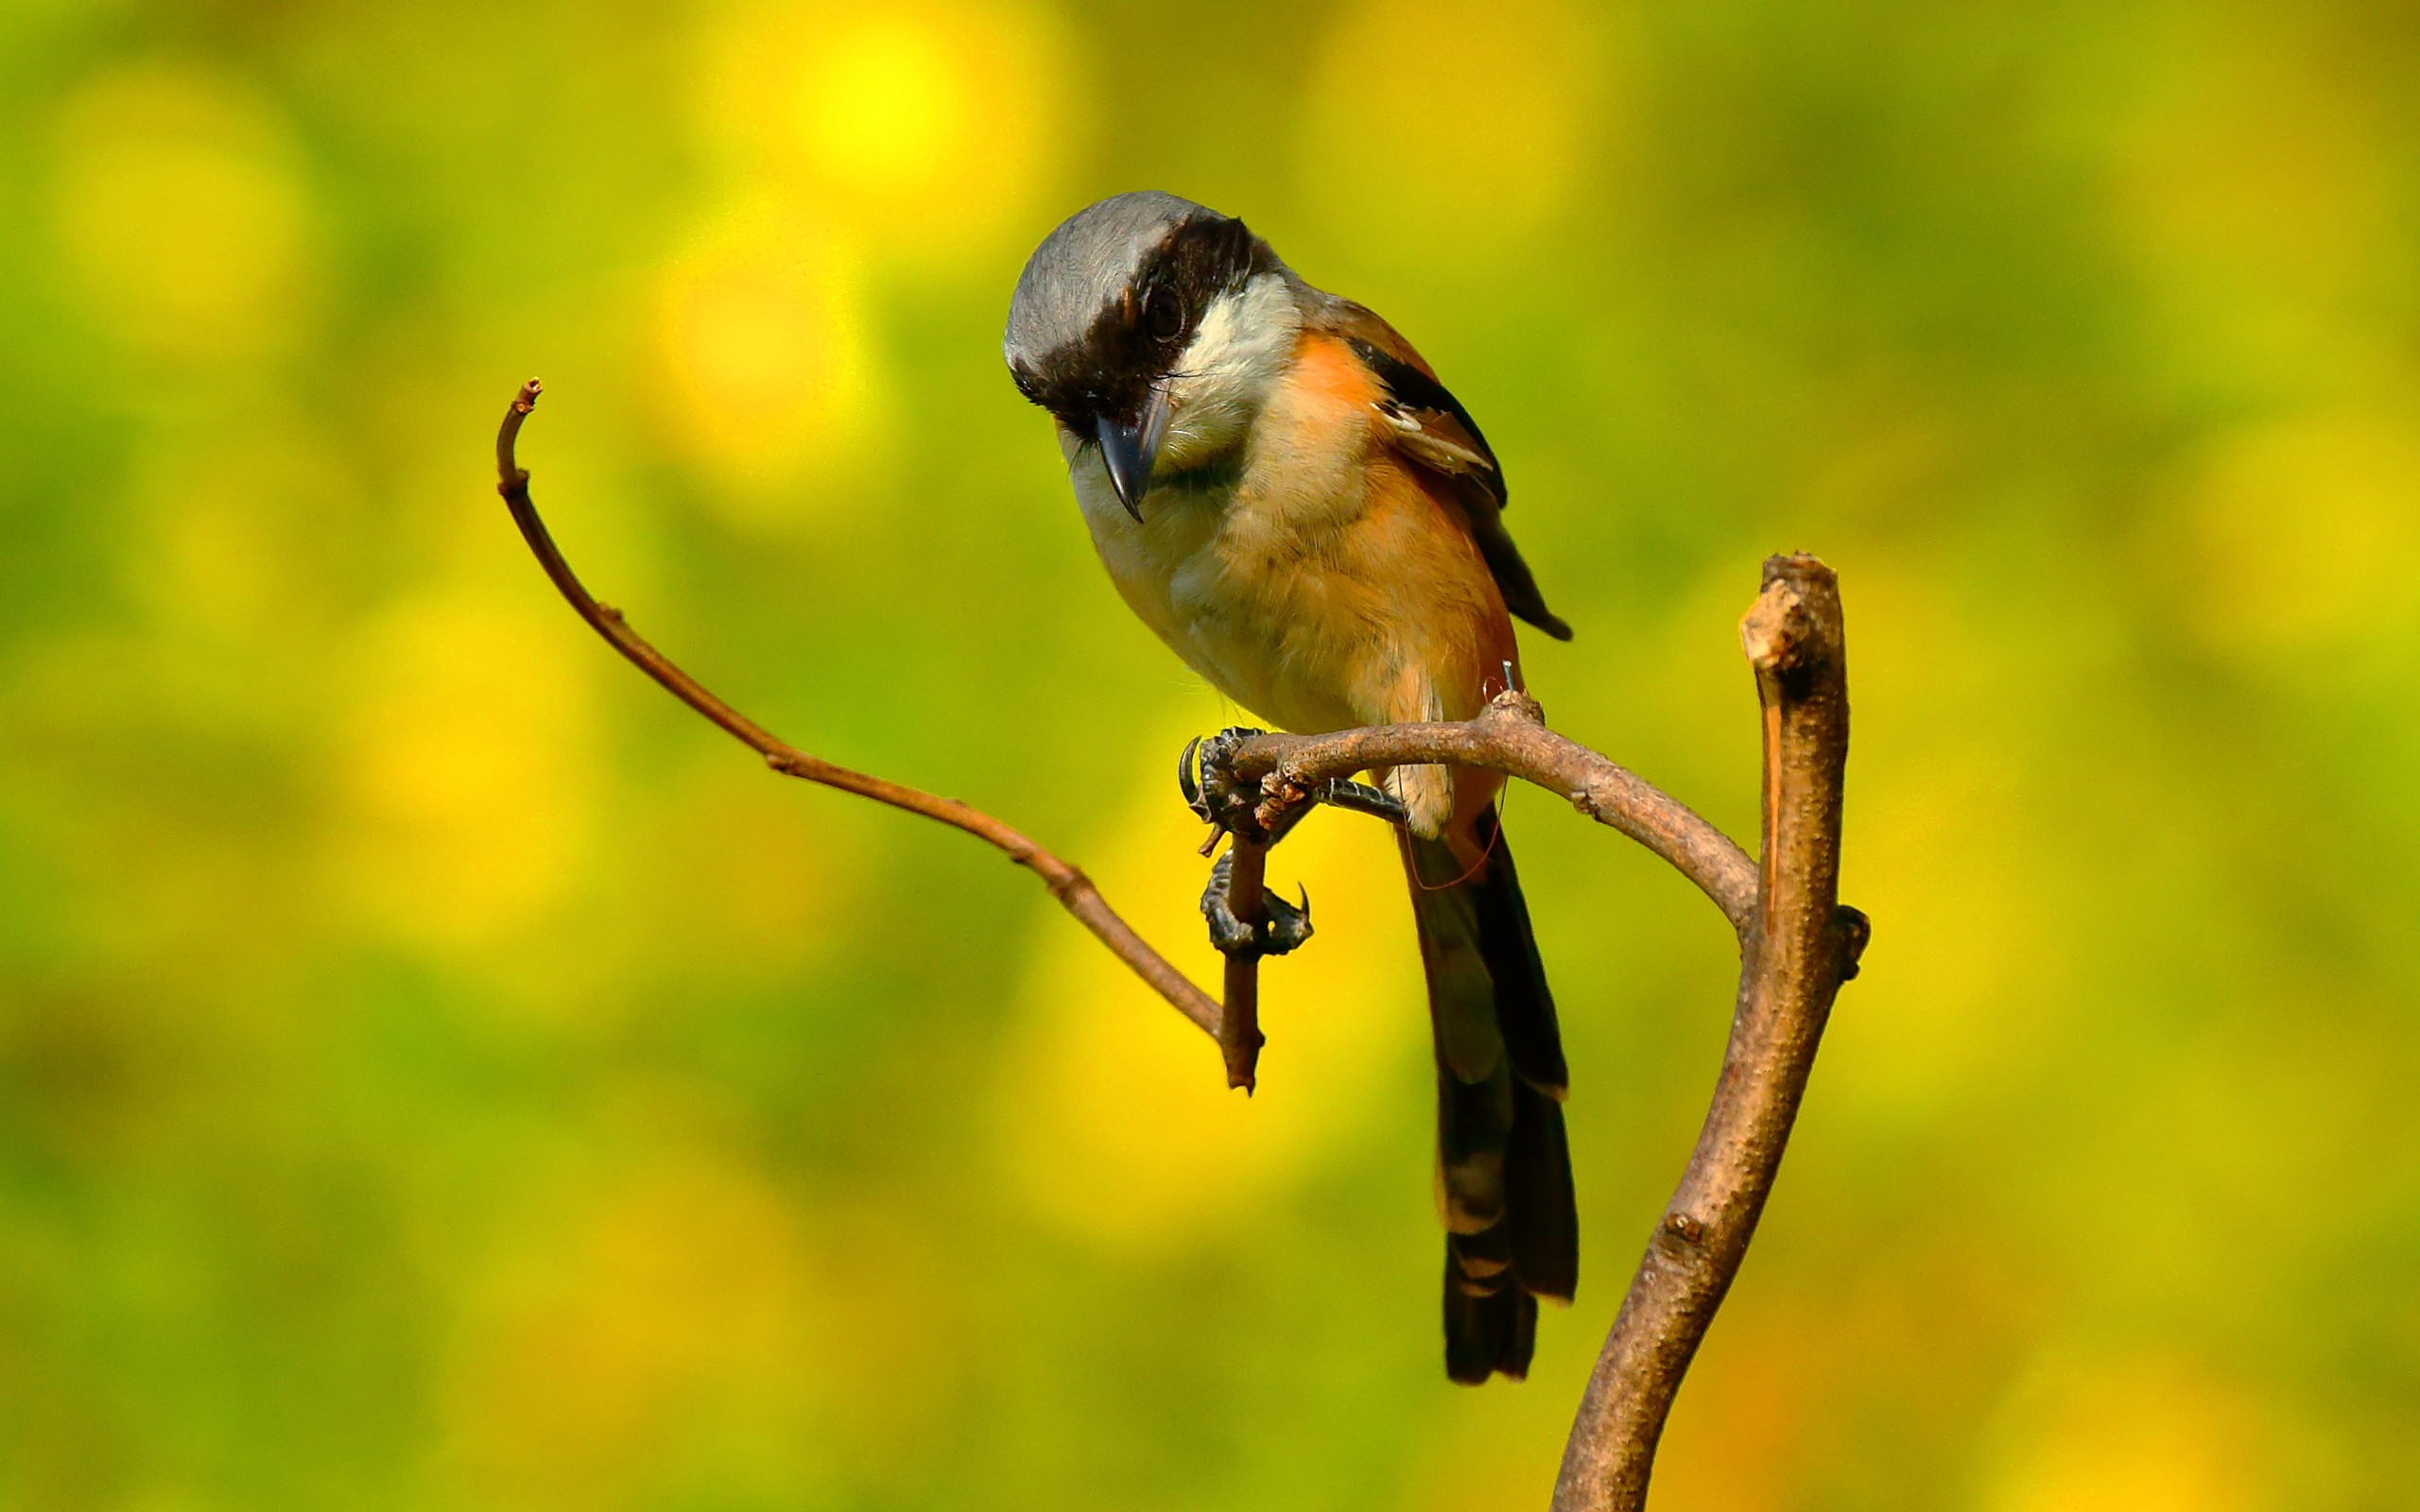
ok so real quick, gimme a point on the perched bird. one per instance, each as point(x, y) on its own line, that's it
point(1283, 491)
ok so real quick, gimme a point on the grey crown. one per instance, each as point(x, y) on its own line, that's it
point(1081, 268)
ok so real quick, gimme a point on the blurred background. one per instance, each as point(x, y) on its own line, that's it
point(438, 1072)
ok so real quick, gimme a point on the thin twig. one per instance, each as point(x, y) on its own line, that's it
point(1802, 947)
point(1074, 890)
point(1508, 737)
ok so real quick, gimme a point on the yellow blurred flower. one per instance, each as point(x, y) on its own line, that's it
point(744, 877)
point(1973, 976)
point(177, 205)
point(925, 128)
point(585, 1358)
point(774, 385)
point(467, 786)
point(2254, 193)
point(232, 542)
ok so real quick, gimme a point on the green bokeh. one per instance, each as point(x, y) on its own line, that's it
point(438, 1072)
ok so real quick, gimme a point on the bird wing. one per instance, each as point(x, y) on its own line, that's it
point(1428, 426)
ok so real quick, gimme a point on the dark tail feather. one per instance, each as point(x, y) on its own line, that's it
point(1504, 1170)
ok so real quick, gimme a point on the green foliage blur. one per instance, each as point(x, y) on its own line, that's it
point(439, 1072)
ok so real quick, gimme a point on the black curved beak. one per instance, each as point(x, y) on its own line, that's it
point(1130, 448)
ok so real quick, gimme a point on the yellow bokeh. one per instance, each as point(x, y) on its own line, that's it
point(583, 1358)
point(1737, 1446)
point(773, 384)
point(2263, 164)
point(1119, 1125)
point(2255, 198)
point(2135, 1435)
point(885, 108)
point(229, 544)
point(743, 879)
point(927, 129)
point(1965, 984)
point(178, 208)
point(687, 1315)
point(2298, 534)
point(467, 781)
point(1417, 147)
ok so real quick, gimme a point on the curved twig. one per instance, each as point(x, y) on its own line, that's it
point(1069, 884)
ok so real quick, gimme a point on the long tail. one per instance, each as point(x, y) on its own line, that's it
point(1504, 1170)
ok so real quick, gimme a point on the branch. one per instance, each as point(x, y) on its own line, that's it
point(1074, 890)
point(1509, 736)
point(1801, 947)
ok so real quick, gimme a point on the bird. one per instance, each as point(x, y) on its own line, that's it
point(1281, 488)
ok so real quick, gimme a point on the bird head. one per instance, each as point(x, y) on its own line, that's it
point(1153, 329)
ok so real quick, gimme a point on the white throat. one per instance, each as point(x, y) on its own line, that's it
point(1238, 354)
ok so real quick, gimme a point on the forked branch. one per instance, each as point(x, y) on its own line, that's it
point(1797, 944)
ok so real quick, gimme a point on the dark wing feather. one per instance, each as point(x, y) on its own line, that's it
point(1430, 428)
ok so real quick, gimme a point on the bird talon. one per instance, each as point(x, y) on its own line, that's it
point(1207, 778)
point(1229, 935)
point(1283, 927)
point(1189, 784)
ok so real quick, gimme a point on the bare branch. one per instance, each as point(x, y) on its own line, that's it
point(1074, 890)
point(1510, 737)
point(1802, 947)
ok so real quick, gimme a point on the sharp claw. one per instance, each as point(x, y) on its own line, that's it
point(1187, 782)
point(1210, 790)
point(1286, 926)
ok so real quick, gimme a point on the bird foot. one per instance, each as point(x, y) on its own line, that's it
point(1205, 774)
point(1281, 929)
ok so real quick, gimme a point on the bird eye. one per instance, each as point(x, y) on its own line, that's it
point(1163, 317)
